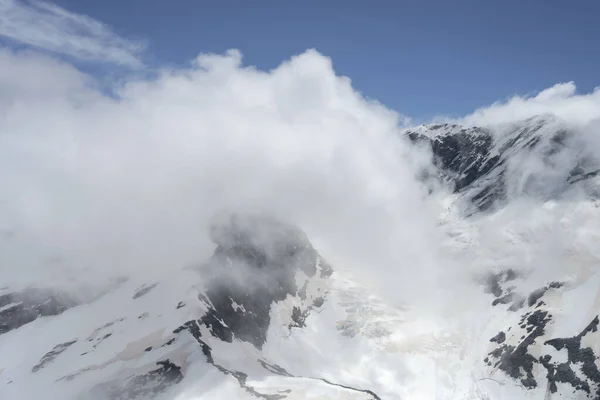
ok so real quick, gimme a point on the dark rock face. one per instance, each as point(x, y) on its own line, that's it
point(143, 386)
point(499, 338)
point(580, 369)
point(255, 264)
point(538, 293)
point(52, 354)
point(578, 359)
point(475, 160)
point(494, 283)
point(516, 361)
point(498, 284)
point(20, 308)
point(515, 357)
point(145, 289)
point(464, 156)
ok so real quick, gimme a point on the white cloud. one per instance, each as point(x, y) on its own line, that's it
point(561, 100)
point(129, 184)
point(49, 27)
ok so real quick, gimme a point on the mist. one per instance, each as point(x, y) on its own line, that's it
point(100, 183)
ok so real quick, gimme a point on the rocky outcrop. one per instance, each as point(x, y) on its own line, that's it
point(52, 354)
point(484, 163)
point(143, 386)
point(580, 370)
point(518, 361)
point(259, 261)
point(529, 346)
point(23, 307)
point(256, 264)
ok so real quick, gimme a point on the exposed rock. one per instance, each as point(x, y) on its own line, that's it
point(52, 354)
point(143, 290)
point(95, 335)
point(298, 317)
point(499, 338)
point(497, 285)
point(580, 370)
point(495, 282)
point(143, 386)
point(20, 308)
point(516, 361)
point(476, 160)
point(255, 264)
point(578, 359)
point(537, 294)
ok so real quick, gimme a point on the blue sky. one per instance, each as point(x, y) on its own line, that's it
point(421, 58)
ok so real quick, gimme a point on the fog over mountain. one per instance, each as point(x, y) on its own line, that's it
point(219, 231)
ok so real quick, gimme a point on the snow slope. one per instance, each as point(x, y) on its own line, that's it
point(268, 317)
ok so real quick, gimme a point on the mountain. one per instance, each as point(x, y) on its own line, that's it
point(546, 341)
point(540, 157)
point(137, 341)
point(268, 317)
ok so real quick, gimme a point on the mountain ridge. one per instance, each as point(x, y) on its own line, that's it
point(266, 316)
point(475, 161)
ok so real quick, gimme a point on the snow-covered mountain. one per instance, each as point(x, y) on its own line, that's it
point(268, 317)
point(540, 157)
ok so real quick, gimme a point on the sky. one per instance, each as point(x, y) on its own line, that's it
point(422, 59)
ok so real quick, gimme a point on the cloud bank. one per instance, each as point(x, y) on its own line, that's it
point(561, 100)
point(46, 26)
point(129, 183)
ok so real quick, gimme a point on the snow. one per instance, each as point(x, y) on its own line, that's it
point(355, 341)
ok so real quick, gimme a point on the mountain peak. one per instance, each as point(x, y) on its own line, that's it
point(540, 154)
